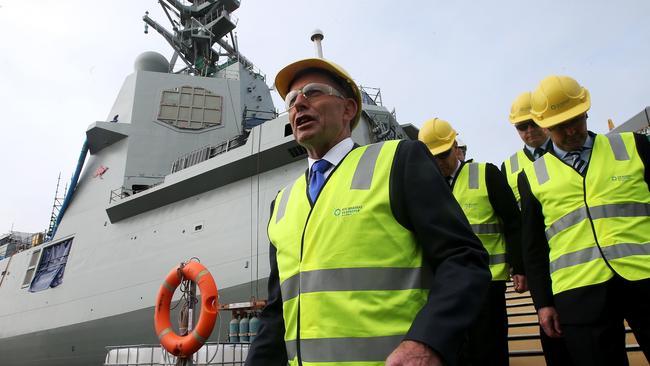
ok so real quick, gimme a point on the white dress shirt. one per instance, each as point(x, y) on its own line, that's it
point(334, 155)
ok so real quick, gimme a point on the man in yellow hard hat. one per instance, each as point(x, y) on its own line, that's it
point(536, 143)
point(362, 269)
point(586, 212)
point(490, 207)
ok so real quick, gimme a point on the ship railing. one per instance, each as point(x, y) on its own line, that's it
point(119, 193)
point(206, 152)
point(370, 95)
point(210, 354)
point(122, 192)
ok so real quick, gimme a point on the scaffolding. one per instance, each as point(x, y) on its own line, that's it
point(56, 207)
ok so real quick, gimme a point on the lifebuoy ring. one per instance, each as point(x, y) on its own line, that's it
point(186, 345)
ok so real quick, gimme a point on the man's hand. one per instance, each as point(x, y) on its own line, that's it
point(411, 353)
point(520, 283)
point(549, 319)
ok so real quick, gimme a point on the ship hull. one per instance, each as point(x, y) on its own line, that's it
point(85, 343)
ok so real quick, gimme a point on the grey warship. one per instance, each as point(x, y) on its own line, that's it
point(186, 164)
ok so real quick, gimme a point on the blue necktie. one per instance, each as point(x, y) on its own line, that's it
point(317, 178)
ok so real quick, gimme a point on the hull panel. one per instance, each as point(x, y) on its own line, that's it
point(85, 343)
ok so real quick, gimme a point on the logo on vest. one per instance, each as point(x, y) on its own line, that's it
point(470, 206)
point(347, 211)
point(620, 178)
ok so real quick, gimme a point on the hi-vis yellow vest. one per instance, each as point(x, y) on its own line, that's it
point(599, 223)
point(517, 162)
point(351, 276)
point(471, 193)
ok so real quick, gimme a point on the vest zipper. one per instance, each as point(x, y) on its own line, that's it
point(302, 245)
point(591, 220)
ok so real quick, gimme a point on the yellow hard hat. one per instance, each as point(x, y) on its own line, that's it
point(287, 75)
point(520, 110)
point(438, 135)
point(557, 99)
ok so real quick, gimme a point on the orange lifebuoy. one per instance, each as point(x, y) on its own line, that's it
point(185, 346)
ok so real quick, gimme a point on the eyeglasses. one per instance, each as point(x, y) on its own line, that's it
point(524, 126)
point(309, 91)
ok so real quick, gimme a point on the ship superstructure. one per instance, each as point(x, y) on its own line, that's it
point(185, 164)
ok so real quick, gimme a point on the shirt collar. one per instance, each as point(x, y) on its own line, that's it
point(544, 146)
point(336, 153)
point(589, 144)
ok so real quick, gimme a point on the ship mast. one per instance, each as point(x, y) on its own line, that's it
point(196, 28)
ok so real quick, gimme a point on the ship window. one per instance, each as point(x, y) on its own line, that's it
point(190, 108)
point(51, 266)
point(31, 268)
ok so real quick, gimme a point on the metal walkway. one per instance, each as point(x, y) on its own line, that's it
point(523, 333)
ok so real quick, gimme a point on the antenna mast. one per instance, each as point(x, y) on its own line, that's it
point(195, 29)
point(316, 37)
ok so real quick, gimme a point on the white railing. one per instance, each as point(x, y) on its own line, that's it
point(211, 354)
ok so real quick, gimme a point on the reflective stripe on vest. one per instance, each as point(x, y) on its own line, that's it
point(282, 207)
point(513, 166)
point(541, 171)
point(497, 259)
point(329, 264)
point(471, 193)
point(597, 223)
point(365, 169)
point(588, 254)
point(486, 228)
point(618, 147)
point(353, 279)
point(598, 212)
point(345, 349)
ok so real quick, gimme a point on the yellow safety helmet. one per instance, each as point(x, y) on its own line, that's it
point(520, 110)
point(438, 135)
point(557, 99)
point(288, 74)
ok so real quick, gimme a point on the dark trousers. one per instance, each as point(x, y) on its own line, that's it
point(595, 336)
point(487, 343)
point(555, 350)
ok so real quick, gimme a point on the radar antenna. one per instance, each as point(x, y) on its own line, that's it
point(196, 28)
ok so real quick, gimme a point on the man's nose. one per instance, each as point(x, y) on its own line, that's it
point(300, 101)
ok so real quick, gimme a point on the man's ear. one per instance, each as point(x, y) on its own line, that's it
point(350, 110)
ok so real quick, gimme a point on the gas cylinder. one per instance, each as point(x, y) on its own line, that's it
point(243, 329)
point(253, 327)
point(233, 329)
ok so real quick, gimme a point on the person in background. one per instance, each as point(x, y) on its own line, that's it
point(372, 260)
point(461, 149)
point(586, 214)
point(490, 206)
point(536, 143)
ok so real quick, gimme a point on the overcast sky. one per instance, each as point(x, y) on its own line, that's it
point(63, 62)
